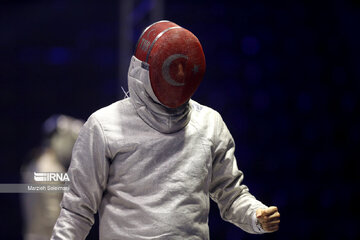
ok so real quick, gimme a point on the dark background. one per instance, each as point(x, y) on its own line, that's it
point(285, 76)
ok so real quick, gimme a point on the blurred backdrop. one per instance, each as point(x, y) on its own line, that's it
point(284, 75)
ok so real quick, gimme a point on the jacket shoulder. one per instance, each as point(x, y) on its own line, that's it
point(204, 112)
point(112, 113)
point(206, 120)
point(114, 110)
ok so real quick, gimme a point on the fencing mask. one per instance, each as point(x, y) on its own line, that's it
point(175, 60)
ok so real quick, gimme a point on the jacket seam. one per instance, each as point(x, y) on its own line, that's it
point(104, 136)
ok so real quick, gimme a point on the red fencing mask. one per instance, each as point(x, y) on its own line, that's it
point(175, 61)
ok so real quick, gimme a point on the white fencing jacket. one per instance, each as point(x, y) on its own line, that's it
point(150, 171)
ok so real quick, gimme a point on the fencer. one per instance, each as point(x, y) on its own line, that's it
point(41, 210)
point(150, 163)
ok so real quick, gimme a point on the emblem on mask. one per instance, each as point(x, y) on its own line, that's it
point(166, 69)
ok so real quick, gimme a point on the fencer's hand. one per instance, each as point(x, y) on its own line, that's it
point(269, 218)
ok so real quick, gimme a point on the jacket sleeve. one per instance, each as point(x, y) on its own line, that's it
point(88, 173)
point(235, 202)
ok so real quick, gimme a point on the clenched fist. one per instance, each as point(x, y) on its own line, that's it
point(269, 218)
